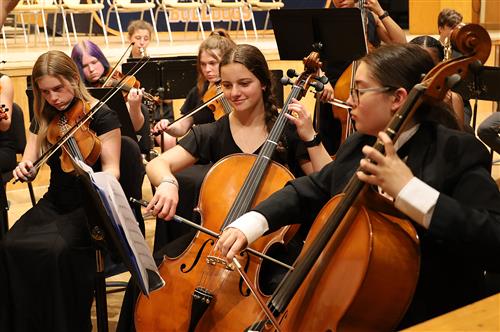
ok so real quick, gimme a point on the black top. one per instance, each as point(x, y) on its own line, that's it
point(213, 141)
point(463, 239)
point(193, 100)
point(7, 138)
point(64, 189)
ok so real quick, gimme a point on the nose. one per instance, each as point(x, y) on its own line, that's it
point(52, 97)
point(350, 101)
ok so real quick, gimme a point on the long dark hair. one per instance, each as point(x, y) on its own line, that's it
point(404, 66)
point(253, 59)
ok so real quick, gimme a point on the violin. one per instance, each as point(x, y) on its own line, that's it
point(219, 107)
point(349, 260)
point(84, 143)
point(126, 83)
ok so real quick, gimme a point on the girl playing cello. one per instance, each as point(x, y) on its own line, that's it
point(47, 263)
point(444, 187)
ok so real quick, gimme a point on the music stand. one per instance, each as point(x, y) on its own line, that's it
point(117, 104)
point(340, 32)
point(106, 236)
point(176, 75)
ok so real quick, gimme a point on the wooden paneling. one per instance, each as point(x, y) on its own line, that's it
point(423, 13)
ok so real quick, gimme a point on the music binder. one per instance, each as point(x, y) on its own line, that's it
point(110, 210)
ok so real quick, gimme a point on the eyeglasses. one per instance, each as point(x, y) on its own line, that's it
point(356, 93)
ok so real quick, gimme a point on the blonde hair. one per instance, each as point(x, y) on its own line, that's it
point(219, 40)
point(59, 65)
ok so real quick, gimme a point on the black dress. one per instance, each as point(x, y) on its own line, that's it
point(211, 142)
point(47, 262)
point(7, 150)
point(463, 239)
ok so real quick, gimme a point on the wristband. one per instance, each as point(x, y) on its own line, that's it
point(384, 15)
point(314, 142)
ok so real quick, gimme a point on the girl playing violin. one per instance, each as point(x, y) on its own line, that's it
point(209, 56)
point(139, 33)
point(93, 66)
point(439, 177)
point(47, 263)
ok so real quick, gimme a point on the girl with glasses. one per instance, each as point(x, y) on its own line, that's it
point(441, 182)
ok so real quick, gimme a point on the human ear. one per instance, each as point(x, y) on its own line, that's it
point(399, 97)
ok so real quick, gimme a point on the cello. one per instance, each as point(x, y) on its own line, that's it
point(354, 256)
point(205, 293)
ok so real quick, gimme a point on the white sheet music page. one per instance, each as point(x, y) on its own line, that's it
point(117, 205)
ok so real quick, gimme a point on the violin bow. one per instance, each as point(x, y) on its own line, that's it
point(117, 63)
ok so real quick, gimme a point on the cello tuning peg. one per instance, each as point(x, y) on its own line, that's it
point(291, 73)
point(318, 86)
point(323, 79)
point(285, 81)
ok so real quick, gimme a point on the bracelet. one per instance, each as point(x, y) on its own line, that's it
point(314, 142)
point(169, 180)
point(384, 15)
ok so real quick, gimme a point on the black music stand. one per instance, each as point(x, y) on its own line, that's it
point(117, 104)
point(481, 83)
point(173, 77)
point(340, 32)
point(106, 237)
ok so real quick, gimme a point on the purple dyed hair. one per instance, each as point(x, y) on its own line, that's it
point(93, 50)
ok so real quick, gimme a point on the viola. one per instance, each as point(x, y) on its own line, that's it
point(83, 145)
point(206, 293)
point(349, 262)
point(219, 107)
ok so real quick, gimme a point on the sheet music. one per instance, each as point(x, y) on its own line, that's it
point(125, 224)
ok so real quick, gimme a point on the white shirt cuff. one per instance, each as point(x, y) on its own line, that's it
point(252, 224)
point(417, 200)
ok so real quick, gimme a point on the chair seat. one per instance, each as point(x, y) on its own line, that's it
point(181, 5)
point(266, 5)
point(220, 4)
point(85, 7)
point(136, 6)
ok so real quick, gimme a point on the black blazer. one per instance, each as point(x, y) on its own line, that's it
point(464, 235)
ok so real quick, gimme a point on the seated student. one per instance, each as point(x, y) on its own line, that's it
point(47, 262)
point(444, 187)
point(380, 28)
point(246, 83)
point(209, 55)
point(139, 33)
point(94, 68)
point(7, 145)
point(436, 51)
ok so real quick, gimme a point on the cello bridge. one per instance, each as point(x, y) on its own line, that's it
point(213, 260)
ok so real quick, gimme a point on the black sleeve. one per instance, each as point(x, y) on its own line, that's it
point(198, 141)
point(467, 218)
point(193, 100)
point(299, 201)
point(104, 120)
